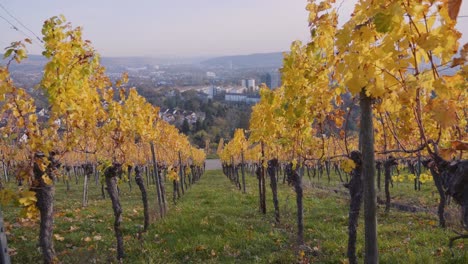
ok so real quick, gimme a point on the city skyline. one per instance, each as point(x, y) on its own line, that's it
point(182, 28)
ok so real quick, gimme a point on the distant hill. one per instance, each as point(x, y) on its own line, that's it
point(139, 61)
point(259, 60)
point(35, 63)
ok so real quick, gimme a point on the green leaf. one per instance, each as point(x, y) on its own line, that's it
point(383, 22)
point(7, 53)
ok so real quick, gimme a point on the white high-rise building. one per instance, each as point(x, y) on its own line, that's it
point(251, 83)
point(244, 83)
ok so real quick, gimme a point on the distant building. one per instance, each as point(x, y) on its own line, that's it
point(273, 80)
point(210, 74)
point(235, 97)
point(136, 69)
point(204, 96)
point(171, 93)
point(191, 117)
point(236, 89)
point(212, 91)
point(241, 98)
point(244, 83)
point(175, 116)
point(249, 84)
point(252, 99)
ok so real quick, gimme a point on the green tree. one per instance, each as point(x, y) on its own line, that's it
point(185, 127)
point(200, 138)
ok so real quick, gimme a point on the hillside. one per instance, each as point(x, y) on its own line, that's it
point(259, 60)
point(35, 63)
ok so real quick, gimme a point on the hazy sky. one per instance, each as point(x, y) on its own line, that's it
point(175, 27)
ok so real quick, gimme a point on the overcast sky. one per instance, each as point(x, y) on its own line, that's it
point(175, 27)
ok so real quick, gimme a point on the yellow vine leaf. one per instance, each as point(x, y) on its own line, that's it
point(424, 177)
point(172, 174)
point(447, 153)
point(442, 112)
point(411, 177)
point(187, 171)
point(27, 198)
point(28, 201)
point(47, 180)
point(347, 165)
point(31, 212)
point(294, 164)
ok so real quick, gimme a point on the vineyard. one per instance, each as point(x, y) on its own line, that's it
point(95, 131)
point(382, 73)
point(214, 222)
point(365, 115)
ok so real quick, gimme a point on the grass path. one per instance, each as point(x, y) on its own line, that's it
point(215, 223)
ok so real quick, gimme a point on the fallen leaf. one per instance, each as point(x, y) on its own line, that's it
point(12, 251)
point(301, 254)
point(58, 237)
point(200, 247)
point(407, 240)
point(439, 252)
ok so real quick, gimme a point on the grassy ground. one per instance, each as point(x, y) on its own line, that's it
point(215, 223)
point(401, 192)
point(212, 156)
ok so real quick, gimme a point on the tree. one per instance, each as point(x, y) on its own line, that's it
point(86, 118)
point(199, 138)
point(71, 79)
point(244, 120)
point(391, 40)
point(198, 126)
point(185, 127)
